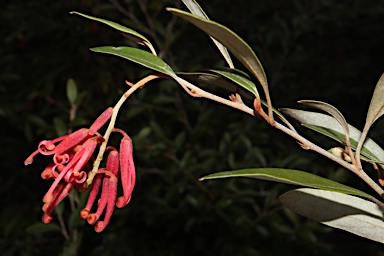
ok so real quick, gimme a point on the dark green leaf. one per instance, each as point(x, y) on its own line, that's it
point(240, 80)
point(39, 228)
point(195, 8)
point(138, 56)
point(289, 176)
point(129, 33)
point(240, 49)
point(60, 126)
point(71, 91)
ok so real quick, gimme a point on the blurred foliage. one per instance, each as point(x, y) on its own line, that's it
point(328, 50)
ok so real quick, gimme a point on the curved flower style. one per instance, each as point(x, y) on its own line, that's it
point(71, 164)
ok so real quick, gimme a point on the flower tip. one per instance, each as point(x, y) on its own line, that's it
point(46, 174)
point(45, 207)
point(84, 214)
point(100, 226)
point(28, 161)
point(46, 218)
point(121, 202)
point(92, 218)
point(47, 198)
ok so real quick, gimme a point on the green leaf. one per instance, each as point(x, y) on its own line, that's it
point(71, 91)
point(290, 176)
point(328, 126)
point(60, 126)
point(216, 80)
point(235, 71)
point(240, 49)
point(127, 32)
point(338, 210)
point(376, 107)
point(138, 56)
point(39, 228)
point(195, 8)
point(240, 80)
point(330, 110)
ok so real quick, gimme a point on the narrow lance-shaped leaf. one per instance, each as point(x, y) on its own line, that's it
point(235, 71)
point(330, 110)
point(375, 111)
point(338, 210)
point(216, 80)
point(195, 8)
point(138, 56)
point(290, 176)
point(376, 107)
point(240, 80)
point(129, 33)
point(240, 49)
point(328, 126)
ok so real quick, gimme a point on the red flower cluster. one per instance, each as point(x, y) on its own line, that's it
point(72, 162)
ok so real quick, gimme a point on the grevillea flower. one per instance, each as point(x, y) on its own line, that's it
point(73, 157)
point(106, 179)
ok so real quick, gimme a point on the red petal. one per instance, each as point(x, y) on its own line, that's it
point(112, 191)
point(92, 196)
point(76, 164)
point(71, 140)
point(101, 120)
point(48, 207)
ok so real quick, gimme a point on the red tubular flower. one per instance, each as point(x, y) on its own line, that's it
point(61, 192)
point(67, 142)
point(70, 167)
point(108, 193)
point(127, 171)
point(71, 155)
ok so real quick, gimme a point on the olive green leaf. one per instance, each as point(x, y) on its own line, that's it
point(195, 8)
point(338, 210)
point(290, 176)
point(376, 107)
point(375, 110)
point(328, 126)
point(237, 46)
point(138, 56)
point(240, 80)
point(127, 32)
point(71, 91)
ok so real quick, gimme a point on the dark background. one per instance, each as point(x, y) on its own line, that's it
point(326, 50)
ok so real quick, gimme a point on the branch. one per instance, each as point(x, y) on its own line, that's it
point(306, 144)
